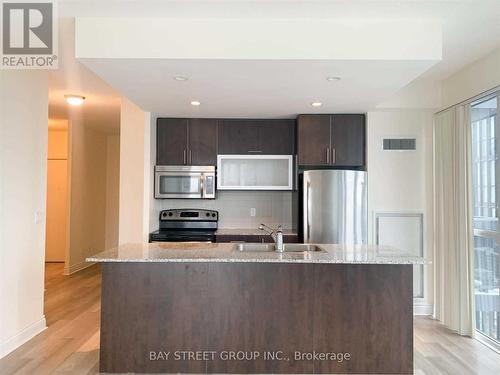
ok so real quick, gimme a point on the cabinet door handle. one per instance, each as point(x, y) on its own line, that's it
point(254, 151)
point(184, 156)
point(327, 155)
point(334, 156)
point(190, 157)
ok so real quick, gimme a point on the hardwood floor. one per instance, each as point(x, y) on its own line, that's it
point(70, 343)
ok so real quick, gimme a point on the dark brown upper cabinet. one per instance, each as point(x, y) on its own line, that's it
point(313, 139)
point(348, 140)
point(331, 140)
point(171, 141)
point(255, 137)
point(186, 141)
point(277, 136)
point(202, 141)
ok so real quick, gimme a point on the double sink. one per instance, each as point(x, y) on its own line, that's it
point(270, 247)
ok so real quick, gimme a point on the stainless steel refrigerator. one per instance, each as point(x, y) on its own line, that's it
point(333, 206)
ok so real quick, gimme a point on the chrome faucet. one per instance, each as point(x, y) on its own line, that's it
point(276, 235)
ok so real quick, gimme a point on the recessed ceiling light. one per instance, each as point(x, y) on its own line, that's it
point(195, 102)
point(331, 79)
point(181, 78)
point(74, 99)
point(316, 104)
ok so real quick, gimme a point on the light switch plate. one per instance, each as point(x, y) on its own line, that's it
point(253, 211)
point(38, 217)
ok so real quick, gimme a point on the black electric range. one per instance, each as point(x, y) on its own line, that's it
point(186, 225)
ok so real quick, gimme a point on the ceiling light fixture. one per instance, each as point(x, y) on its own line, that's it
point(181, 78)
point(195, 102)
point(316, 104)
point(74, 99)
point(331, 79)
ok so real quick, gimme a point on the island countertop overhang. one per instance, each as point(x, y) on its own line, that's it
point(179, 252)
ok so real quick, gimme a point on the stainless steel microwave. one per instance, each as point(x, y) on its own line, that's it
point(183, 181)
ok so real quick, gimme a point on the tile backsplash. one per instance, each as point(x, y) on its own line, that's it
point(271, 208)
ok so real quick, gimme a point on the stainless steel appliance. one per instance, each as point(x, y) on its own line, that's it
point(333, 206)
point(185, 181)
point(186, 225)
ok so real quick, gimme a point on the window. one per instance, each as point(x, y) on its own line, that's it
point(485, 185)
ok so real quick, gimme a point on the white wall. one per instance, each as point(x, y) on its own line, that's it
point(23, 182)
point(401, 181)
point(87, 194)
point(134, 173)
point(284, 38)
point(397, 179)
point(112, 190)
point(480, 76)
point(419, 94)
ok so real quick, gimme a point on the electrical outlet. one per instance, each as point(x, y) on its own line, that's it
point(253, 211)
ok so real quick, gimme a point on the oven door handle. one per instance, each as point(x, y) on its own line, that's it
point(196, 241)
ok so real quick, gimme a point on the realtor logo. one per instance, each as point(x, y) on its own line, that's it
point(29, 35)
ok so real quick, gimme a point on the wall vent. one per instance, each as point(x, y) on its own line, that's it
point(400, 144)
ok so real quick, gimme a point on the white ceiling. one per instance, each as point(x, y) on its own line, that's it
point(254, 88)
point(471, 29)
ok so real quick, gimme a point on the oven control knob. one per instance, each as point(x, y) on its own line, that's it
point(208, 214)
point(170, 214)
point(213, 215)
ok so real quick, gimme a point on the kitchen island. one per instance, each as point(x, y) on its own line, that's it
point(210, 308)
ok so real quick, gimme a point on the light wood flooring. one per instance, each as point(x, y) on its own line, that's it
point(70, 344)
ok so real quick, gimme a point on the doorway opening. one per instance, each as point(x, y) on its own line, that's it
point(56, 236)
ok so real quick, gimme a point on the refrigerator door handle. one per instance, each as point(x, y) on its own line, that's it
point(327, 155)
point(307, 216)
point(334, 156)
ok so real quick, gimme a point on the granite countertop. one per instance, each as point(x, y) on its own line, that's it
point(249, 232)
point(226, 252)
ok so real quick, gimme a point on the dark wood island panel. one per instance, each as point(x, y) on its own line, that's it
point(260, 307)
point(366, 310)
point(271, 309)
point(150, 307)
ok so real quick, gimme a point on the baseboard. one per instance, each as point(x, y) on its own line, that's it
point(77, 267)
point(25, 335)
point(422, 309)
